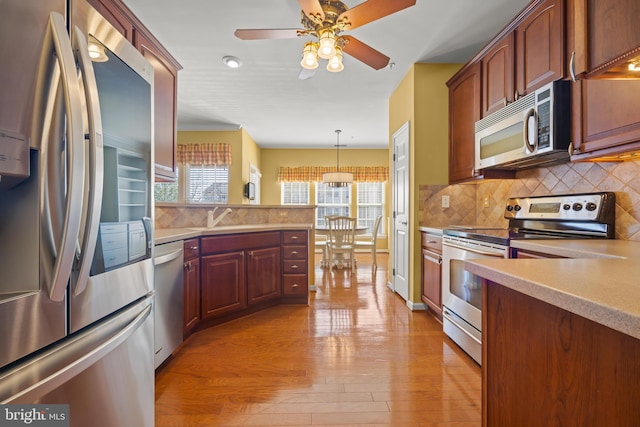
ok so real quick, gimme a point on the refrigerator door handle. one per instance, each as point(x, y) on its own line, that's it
point(65, 252)
point(95, 177)
point(28, 382)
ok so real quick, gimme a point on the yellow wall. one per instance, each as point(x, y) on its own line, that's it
point(243, 151)
point(422, 98)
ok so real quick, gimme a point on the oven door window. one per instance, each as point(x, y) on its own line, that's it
point(464, 285)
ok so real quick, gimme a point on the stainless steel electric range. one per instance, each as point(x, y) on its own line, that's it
point(571, 216)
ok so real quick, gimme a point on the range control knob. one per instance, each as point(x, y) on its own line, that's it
point(591, 206)
point(509, 208)
point(566, 206)
point(577, 206)
point(517, 208)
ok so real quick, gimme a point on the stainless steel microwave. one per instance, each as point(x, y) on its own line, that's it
point(534, 130)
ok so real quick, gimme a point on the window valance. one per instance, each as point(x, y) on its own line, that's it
point(204, 154)
point(314, 173)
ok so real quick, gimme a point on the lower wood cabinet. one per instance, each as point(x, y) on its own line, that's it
point(543, 366)
point(223, 287)
point(237, 274)
point(191, 284)
point(432, 273)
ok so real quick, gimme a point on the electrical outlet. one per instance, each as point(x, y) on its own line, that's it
point(283, 214)
point(486, 202)
point(445, 201)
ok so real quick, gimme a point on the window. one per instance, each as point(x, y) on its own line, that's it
point(331, 201)
point(201, 184)
point(294, 193)
point(370, 200)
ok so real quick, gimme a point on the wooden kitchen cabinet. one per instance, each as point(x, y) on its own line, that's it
point(263, 275)
point(542, 365)
point(540, 47)
point(464, 111)
point(223, 286)
point(165, 84)
point(165, 81)
point(295, 266)
point(191, 284)
point(239, 271)
point(432, 273)
point(606, 37)
point(526, 58)
point(606, 119)
point(497, 75)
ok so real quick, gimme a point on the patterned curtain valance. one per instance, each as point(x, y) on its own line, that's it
point(204, 154)
point(314, 173)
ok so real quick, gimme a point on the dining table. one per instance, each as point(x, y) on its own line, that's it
point(339, 258)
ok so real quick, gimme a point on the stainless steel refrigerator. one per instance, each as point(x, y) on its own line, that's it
point(76, 206)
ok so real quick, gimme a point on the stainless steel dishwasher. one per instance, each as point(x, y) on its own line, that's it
point(167, 261)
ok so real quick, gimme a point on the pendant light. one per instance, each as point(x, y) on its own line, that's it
point(337, 179)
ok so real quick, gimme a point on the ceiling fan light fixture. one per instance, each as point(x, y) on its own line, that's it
point(310, 56)
point(327, 43)
point(337, 179)
point(335, 64)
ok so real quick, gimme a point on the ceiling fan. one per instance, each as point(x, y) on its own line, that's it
point(325, 20)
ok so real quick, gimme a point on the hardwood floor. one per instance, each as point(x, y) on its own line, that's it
point(355, 356)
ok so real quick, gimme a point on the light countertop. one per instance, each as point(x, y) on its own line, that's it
point(166, 235)
point(600, 282)
point(431, 230)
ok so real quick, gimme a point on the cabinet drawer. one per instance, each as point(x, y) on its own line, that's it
point(294, 284)
point(294, 252)
point(432, 241)
point(236, 242)
point(191, 248)
point(295, 266)
point(295, 237)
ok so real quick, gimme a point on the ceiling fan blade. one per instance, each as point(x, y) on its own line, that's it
point(365, 53)
point(306, 73)
point(312, 9)
point(255, 34)
point(373, 9)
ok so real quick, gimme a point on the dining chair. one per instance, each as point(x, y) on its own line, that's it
point(372, 244)
point(341, 242)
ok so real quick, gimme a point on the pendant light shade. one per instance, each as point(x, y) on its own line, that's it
point(337, 179)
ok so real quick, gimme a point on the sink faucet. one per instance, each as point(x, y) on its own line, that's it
point(211, 222)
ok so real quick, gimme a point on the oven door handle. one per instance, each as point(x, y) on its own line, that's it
point(474, 250)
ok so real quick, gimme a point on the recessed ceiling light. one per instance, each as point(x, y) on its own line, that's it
point(232, 61)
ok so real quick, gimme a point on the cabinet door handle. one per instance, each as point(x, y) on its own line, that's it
point(572, 66)
point(294, 252)
point(516, 96)
point(193, 248)
point(295, 285)
point(294, 267)
point(250, 254)
point(294, 237)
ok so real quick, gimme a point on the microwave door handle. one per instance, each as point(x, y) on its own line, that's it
point(95, 173)
point(530, 141)
point(66, 247)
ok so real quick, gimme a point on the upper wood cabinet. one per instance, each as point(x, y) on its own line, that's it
point(527, 57)
point(165, 85)
point(464, 111)
point(497, 75)
point(606, 37)
point(606, 119)
point(165, 81)
point(540, 47)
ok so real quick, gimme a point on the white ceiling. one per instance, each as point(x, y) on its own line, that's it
point(265, 96)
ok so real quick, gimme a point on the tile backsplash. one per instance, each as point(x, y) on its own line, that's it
point(482, 203)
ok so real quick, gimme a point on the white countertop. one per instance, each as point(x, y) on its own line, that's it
point(601, 282)
point(166, 235)
point(431, 230)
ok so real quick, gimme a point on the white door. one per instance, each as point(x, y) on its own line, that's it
point(400, 217)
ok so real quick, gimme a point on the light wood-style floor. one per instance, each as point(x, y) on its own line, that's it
point(355, 356)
